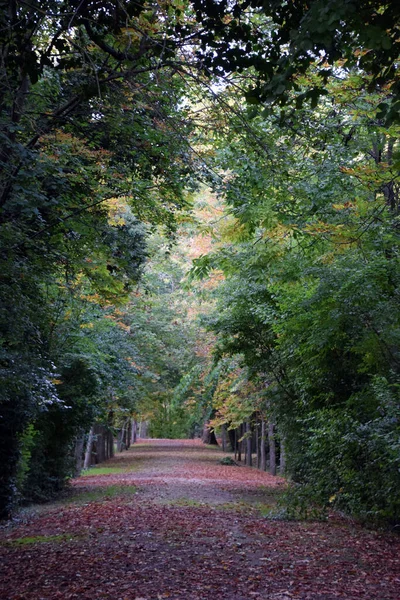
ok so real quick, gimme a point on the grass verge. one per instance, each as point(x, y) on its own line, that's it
point(101, 493)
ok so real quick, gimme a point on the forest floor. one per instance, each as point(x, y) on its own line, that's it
point(166, 520)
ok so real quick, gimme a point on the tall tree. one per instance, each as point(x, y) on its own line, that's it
point(88, 116)
point(311, 278)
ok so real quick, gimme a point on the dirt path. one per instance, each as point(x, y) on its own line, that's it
point(166, 520)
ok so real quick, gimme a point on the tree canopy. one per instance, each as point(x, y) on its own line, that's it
point(258, 141)
point(278, 41)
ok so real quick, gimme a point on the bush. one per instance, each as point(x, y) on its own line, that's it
point(227, 460)
point(349, 464)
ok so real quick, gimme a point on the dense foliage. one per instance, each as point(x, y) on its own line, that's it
point(310, 254)
point(93, 153)
point(112, 113)
point(277, 41)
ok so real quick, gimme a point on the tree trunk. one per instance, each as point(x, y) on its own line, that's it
point(282, 466)
point(102, 445)
point(240, 442)
point(232, 439)
point(223, 436)
point(121, 438)
point(111, 443)
point(263, 457)
point(99, 443)
point(272, 449)
point(209, 435)
point(134, 431)
point(107, 450)
point(89, 447)
point(249, 460)
point(257, 445)
point(78, 454)
point(128, 435)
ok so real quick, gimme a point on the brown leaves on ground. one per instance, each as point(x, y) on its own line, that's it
point(187, 534)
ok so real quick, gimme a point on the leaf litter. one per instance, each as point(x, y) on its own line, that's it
point(179, 525)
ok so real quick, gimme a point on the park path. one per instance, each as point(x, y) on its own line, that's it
point(165, 520)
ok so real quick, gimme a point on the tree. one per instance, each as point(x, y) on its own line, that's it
point(79, 82)
point(310, 258)
point(279, 41)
